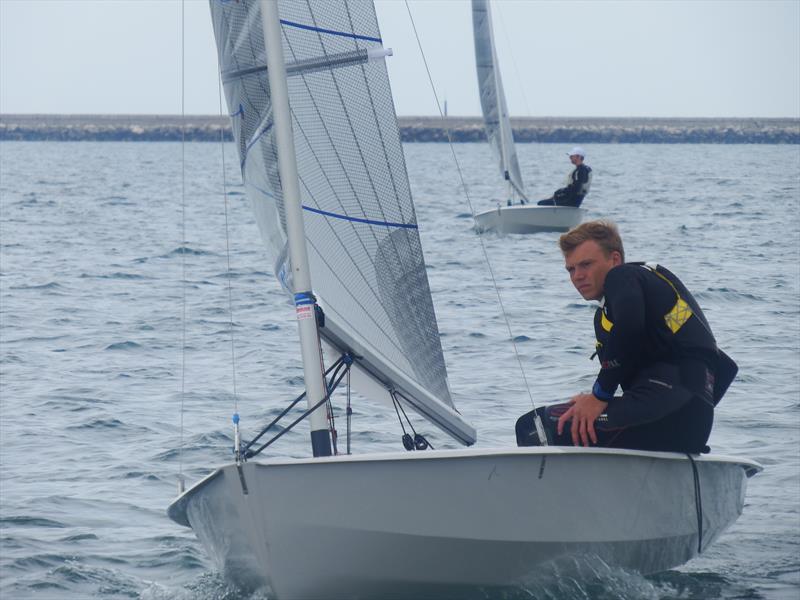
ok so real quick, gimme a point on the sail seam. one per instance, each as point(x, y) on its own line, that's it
point(360, 220)
point(356, 197)
point(335, 153)
point(355, 36)
point(321, 256)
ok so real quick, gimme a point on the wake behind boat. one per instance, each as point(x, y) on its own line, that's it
point(314, 123)
point(516, 214)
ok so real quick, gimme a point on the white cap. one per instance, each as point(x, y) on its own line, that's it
point(577, 151)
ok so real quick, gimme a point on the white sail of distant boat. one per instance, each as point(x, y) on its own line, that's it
point(497, 122)
point(422, 524)
point(513, 215)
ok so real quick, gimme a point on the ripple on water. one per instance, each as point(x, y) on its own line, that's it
point(127, 345)
point(97, 280)
point(29, 521)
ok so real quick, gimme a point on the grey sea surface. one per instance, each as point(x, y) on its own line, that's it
point(115, 377)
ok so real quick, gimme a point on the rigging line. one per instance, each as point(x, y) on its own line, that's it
point(288, 408)
point(395, 403)
point(417, 436)
point(513, 60)
point(228, 252)
point(410, 424)
point(251, 454)
point(349, 412)
point(480, 237)
point(521, 85)
point(183, 244)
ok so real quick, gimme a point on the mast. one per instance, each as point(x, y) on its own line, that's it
point(305, 303)
point(498, 90)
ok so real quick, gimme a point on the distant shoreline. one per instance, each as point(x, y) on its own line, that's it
point(628, 130)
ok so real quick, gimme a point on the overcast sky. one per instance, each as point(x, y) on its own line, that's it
point(641, 58)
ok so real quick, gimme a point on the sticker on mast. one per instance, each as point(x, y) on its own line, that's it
point(304, 311)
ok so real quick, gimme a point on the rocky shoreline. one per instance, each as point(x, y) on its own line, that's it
point(417, 129)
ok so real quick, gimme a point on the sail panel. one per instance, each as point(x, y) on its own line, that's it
point(367, 266)
point(496, 119)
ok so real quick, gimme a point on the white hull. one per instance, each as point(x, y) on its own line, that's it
point(435, 523)
point(529, 218)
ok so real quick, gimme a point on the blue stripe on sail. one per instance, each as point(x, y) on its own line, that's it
point(343, 217)
point(355, 36)
point(357, 220)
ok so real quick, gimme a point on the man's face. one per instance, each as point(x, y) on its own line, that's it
point(575, 159)
point(588, 266)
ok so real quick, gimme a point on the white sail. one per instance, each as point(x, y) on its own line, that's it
point(367, 266)
point(493, 99)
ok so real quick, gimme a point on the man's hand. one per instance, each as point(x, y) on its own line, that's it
point(584, 411)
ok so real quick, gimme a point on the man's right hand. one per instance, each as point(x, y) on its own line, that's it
point(584, 412)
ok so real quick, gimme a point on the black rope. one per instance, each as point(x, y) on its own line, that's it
point(419, 441)
point(251, 454)
point(395, 404)
point(283, 413)
point(698, 504)
point(349, 412)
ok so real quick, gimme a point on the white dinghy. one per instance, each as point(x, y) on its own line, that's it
point(315, 126)
point(514, 214)
point(457, 523)
point(529, 218)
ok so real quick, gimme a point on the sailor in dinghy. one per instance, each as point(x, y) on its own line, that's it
point(653, 341)
point(578, 182)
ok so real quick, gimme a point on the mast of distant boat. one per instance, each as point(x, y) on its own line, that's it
point(305, 302)
point(498, 91)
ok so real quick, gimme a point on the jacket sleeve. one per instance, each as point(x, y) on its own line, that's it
point(625, 302)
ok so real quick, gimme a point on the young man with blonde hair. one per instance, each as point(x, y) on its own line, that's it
point(653, 343)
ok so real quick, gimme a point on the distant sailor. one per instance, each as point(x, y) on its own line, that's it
point(653, 341)
point(578, 182)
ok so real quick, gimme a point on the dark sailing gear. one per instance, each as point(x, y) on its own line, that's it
point(578, 183)
point(683, 430)
point(648, 316)
point(654, 342)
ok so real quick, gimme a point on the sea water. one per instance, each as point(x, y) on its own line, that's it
point(116, 377)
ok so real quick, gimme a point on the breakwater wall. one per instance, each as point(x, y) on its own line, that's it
point(418, 129)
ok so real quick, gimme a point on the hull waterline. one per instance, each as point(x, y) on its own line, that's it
point(438, 523)
point(529, 218)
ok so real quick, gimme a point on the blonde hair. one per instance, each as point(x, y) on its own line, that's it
point(605, 233)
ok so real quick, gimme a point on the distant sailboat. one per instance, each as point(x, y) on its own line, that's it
point(317, 135)
point(513, 215)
